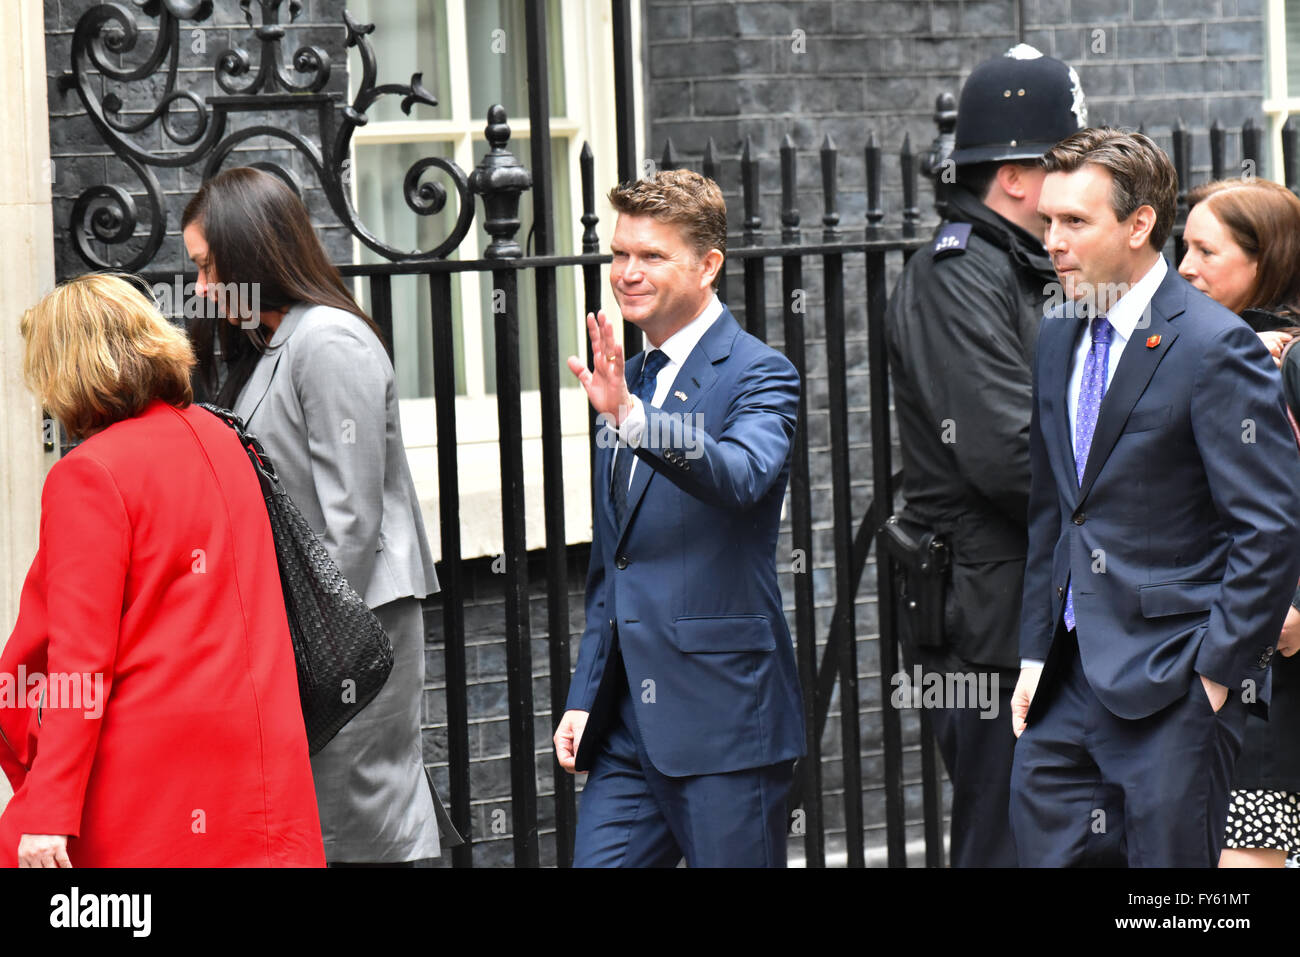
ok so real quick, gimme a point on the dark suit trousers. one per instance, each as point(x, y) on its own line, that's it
point(977, 750)
point(633, 816)
point(1174, 769)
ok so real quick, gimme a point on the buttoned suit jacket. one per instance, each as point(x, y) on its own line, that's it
point(324, 402)
point(687, 586)
point(1181, 541)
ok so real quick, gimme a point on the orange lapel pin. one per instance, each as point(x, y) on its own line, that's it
point(1153, 341)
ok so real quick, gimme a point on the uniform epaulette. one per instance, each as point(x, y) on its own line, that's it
point(951, 240)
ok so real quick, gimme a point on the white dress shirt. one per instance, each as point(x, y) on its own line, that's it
point(677, 348)
point(1126, 317)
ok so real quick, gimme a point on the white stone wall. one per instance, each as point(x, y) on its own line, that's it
point(26, 274)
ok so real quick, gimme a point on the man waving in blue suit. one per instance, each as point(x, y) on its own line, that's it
point(1163, 539)
point(685, 703)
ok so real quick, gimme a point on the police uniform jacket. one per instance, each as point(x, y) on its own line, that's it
point(962, 325)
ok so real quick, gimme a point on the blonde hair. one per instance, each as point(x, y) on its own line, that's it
point(99, 351)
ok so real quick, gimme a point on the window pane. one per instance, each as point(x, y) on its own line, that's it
point(1293, 47)
point(381, 205)
point(409, 37)
point(498, 56)
point(566, 306)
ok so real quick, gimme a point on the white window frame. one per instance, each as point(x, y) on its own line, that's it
point(590, 108)
point(1278, 105)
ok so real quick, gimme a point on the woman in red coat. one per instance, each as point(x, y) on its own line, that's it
point(148, 696)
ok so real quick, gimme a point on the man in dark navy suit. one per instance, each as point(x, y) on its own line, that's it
point(962, 325)
point(1163, 539)
point(685, 702)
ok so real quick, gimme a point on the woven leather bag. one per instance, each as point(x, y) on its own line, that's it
point(342, 653)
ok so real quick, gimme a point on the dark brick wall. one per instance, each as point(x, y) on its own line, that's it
point(1147, 62)
point(811, 68)
point(483, 603)
point(81, 159)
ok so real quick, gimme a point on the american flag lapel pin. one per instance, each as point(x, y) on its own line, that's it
point(1153, 341)
point(679, 394)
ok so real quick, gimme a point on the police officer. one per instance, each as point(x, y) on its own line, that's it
point(961, 325)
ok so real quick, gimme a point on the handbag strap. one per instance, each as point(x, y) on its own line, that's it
point(262, 465)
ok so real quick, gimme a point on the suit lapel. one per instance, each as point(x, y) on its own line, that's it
point(259, 383)
point(693, 381)
point(696, 377)
point(1058, 354)
point(603, 461)
point(1134, 372)
point(631, 371)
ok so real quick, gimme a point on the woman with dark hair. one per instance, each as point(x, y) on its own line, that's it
point(1243, 249)
point(310, 376)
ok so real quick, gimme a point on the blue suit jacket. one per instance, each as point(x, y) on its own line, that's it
point(690, 579)
point(1182, 539)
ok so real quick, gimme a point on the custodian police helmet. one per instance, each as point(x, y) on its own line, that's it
point(1017, 106)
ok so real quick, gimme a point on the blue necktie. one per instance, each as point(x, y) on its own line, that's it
point(623, 456)
point(1091, 391)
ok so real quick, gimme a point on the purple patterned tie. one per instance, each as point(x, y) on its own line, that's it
point(1091, 391)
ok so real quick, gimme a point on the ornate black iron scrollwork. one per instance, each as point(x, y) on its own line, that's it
point(426, 199)
point(272, 75)
point(110, 30)
point(331, 162)
point(109, 214)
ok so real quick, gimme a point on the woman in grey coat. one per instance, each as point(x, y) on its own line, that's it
point(307, 370)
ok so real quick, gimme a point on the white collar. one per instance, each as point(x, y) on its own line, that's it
point(681, 343)
point(1131, 308)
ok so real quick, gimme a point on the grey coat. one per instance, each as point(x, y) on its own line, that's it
point(323, 401)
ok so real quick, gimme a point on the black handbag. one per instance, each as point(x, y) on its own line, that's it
point(342, 653)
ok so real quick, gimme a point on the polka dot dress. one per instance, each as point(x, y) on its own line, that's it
point(1269, 819)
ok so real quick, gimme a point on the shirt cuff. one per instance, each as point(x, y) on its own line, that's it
point(1030, 663)
point(632, 429)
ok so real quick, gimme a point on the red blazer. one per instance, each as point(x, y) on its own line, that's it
point(148, 696)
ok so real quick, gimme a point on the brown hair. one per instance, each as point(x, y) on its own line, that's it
point(682, 197)
point(1263, 218)
point(99, 351)
point(259, 232)
point(1140, 173)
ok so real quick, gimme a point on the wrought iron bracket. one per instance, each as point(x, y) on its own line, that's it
point(108, 214)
